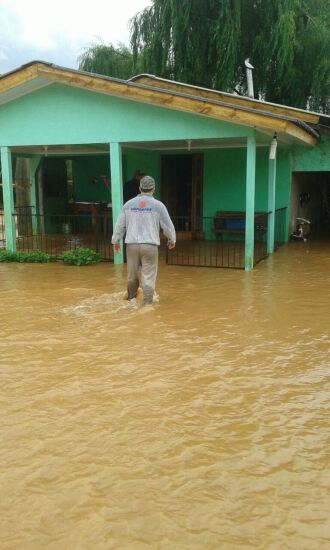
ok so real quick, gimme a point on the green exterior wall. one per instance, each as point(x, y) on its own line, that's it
point(95, 118)
point(316, 159)
point(224, 176)
point(224, 180)
point(87, 185)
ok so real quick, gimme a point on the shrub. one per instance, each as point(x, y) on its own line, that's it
point(35, 256)
point(81, 256)
point(6, 256)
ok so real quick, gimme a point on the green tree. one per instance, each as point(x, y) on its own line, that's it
point(105, 59)
point(205, 42)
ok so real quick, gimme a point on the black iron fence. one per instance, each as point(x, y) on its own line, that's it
point(205, 242)
point(199, 245)
point(19, 211)
point(260, 236)
point(56, 234)
point(200, 242)
point(280, 231)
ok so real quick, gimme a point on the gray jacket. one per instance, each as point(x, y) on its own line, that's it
point(141, 219)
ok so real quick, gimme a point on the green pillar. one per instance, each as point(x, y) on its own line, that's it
point(34, 163)
point(271, 204)
point(250, 194)
point(8, 199)
point(116, 190)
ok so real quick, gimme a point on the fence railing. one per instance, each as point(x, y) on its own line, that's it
point(198, 241)
point(260, 236)
point(201, 244)
point(280, 231)
point(56, 234)
point(25, 210)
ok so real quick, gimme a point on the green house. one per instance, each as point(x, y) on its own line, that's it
point(234, 172)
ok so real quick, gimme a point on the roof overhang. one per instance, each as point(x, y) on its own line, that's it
point(182, 145)
point(299, 114)
point(290, 125)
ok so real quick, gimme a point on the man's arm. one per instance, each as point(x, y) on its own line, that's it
point(119, 231)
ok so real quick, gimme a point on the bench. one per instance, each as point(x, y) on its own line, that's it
point(233, 223)
point(229, 223)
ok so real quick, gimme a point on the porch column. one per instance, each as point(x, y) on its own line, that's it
point(271, 197)
point(116, 190)
point(8, 199)
point(34, 163)
point(250, 193)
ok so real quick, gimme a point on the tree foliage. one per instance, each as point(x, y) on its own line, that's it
point(205, 42)
point(105, 59)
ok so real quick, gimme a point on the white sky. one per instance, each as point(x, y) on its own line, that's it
point(58, 31)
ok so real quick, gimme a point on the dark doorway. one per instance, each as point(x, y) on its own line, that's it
point(182, 188)
point(310, 199)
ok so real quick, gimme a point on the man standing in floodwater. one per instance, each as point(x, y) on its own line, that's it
point(141, 219)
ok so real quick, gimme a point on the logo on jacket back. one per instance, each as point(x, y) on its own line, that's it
point(141, 207)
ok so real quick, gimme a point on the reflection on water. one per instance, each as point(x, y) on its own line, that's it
point(199, 422)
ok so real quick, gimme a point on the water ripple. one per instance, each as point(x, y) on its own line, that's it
point(201, 421)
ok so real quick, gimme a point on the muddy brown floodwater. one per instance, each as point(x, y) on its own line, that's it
point(201, 422)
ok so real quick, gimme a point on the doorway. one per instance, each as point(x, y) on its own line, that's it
point(310, 199)
point(182, 189)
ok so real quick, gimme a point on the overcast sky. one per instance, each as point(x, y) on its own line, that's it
point(57, 31)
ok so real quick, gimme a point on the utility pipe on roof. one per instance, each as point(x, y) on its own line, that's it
point(249, 78)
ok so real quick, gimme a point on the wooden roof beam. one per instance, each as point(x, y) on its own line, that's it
point(17, 78)
point(299, 114)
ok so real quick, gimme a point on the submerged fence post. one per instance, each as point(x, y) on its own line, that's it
point(8, 199)
point(271, 197)
point(250, 200)
point(116, 190)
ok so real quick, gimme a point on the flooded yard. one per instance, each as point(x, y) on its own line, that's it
point(201, 422)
